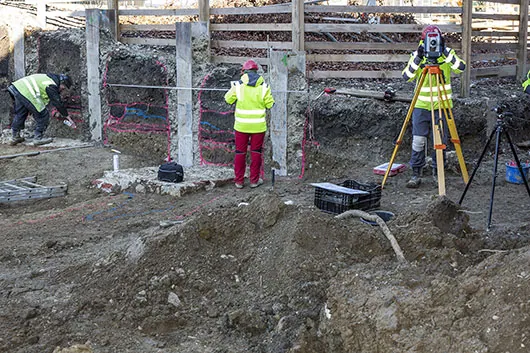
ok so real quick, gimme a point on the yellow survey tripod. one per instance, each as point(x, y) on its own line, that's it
point(438, 94)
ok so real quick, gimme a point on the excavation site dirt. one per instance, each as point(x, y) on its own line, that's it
point(218, 269)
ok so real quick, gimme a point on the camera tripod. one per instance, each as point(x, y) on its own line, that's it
point(499, 129)
point(438, 93)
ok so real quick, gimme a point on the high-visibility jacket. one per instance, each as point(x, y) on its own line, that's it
point(33, 87)
point(252, 97)
point(526, 84)
point(448, 62)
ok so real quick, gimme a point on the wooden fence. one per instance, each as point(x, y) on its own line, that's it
point(498, 35)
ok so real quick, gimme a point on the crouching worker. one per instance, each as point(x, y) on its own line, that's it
point(32, 94)
point(421, 115)
point(252, 97)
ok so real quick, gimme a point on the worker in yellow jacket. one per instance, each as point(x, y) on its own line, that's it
point(252, 97)
point(448, 62)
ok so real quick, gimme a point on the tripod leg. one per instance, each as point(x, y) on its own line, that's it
point(454, 136)
point(404, 127)
point(468, 184)
point(517, 161)
point(437, 137)
point(496, 160)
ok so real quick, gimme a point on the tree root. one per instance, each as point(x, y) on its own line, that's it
point(382, 224)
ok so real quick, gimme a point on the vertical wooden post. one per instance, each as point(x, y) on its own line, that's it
point(41, 14)
point(467, 21)
point(204, 17)
point(115, 29)
point(18, 51)
point(278, 120)
point(184, 97)
point(93, 78)
point(298, 24)
point(522, 47)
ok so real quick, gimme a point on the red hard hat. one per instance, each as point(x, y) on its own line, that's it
point(249, 65)
point(430, 28)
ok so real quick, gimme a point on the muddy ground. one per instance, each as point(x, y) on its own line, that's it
point(264, 270)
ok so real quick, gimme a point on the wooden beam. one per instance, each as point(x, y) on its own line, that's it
point(237, 59)
point(362, 46)
point(184, 97)
point(93, 78)
point(114, 5)
point(522, 51)
point(297, 19)
point(148, 41)
point(278, 122)
point(375, 28)
point(19, 59)
point(385, 9)
point(250, 44)
point(355, 74)
point(465, 82)
point(358, 57)
point(41, 14)
point(204, 17)
point(261, 27)
point(160, 12)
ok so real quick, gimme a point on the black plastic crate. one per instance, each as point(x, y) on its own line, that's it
point(365, 202)
point(349, 195)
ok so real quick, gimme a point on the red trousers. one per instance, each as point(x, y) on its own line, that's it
point(256, 157)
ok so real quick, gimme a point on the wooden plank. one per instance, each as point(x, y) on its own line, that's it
point(465, 82)
point(297, 19)
point(204, 18)
point(514, 2)
point(250, 44)
point(495, 16)
point(169, 28)
point(54, 14)
point(385, 9)
point(114, 5)
point(19, 58)
point(41, 14)
point(361, 46)
point(256, 27)
point(160, 12)
point(522, 51)
point(358, 57)
point(286, 8)
point(495, 46)
point(218, 59)
point(148, 41)
point(278, 121)
point(375, 28)
point(93, 78)
point(493, 56)
point(184, 96)
point(355, 74)
point(499, 71)
point(494, 34)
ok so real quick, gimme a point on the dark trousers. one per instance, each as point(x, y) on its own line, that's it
point(422, 126)
point(23, 108)
point(256, 145)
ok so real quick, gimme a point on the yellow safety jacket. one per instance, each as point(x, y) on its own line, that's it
point(448, 62)
point(33, 87)
point(527, 83)
point(252, 97)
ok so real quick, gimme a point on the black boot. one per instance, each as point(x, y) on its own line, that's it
point(415, 181)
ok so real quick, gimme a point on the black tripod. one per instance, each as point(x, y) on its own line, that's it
point(499, 129)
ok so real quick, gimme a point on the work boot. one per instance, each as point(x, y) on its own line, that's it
point(415, 181)
point(39, 140)
point(16, 139)
point(256, 184)
point(239, 186)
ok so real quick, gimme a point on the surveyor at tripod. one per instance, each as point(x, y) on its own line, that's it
point(431, 51)
point(32, 94)
point(252, 97)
